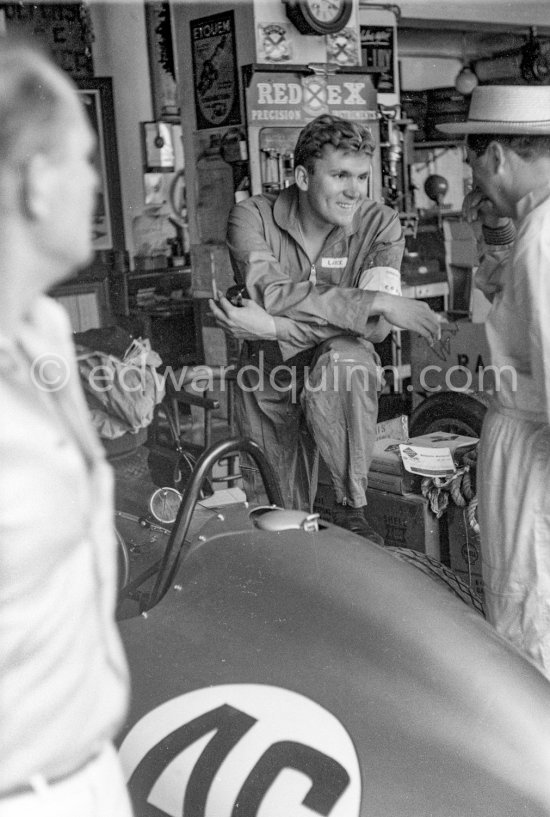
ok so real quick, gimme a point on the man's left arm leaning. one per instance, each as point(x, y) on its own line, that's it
point(383, 261)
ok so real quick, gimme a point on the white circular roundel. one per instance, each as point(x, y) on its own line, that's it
point(241, 750)
point(315, 95)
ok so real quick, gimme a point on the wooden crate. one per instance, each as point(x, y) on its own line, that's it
point(404, 521)
point(464, 549)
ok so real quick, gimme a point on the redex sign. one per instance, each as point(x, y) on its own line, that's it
point(295, 99)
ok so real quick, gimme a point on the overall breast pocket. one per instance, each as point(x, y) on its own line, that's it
point(332, 271)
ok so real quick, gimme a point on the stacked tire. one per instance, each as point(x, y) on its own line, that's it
point(444, 105)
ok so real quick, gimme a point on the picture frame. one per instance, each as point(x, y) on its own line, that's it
point(96, 94)
point(87, 303)
point(157, 147)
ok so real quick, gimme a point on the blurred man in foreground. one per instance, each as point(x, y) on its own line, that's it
point(63, 676)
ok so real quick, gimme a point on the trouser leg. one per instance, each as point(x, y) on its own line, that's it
point(97, 791)
point(268, 411)
point(340, 401)
point(514, 517)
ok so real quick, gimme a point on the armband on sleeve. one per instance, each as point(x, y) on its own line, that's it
point(381, 279)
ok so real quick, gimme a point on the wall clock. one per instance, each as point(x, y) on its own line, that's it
point(319, 16)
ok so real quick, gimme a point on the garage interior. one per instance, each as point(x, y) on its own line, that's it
point(170, 175)
point(247, 656)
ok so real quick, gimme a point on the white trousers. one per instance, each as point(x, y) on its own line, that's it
point(513, 486)
point(98, 790)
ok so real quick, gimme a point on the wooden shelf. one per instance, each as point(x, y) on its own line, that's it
point(443, 143)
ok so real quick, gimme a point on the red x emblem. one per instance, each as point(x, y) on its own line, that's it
point(315, 95)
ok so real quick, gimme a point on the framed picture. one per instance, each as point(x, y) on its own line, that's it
point(97, 98)
point(157, 147)
point(86, 302)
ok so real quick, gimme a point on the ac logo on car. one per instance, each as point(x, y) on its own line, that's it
point(241, 750)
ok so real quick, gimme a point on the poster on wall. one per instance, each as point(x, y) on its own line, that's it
point(162, 69)
point(378, 48)
point(64, 29)
point(215, 71)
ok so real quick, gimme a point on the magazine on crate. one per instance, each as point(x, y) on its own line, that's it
point(387, 459)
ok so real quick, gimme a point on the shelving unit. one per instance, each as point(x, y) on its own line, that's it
point(159, 300)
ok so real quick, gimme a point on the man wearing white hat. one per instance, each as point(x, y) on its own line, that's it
point(508, 144)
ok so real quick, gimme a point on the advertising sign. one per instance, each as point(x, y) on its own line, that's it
point(290, 98)
point(378, 48)
point(215, 70)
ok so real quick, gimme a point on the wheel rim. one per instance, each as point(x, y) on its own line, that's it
point(452, 425)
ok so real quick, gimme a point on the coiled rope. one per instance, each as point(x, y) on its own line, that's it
point(459, 487)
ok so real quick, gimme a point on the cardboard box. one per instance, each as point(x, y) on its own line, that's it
point(464, 548)
point(396, 428)
point(387, 458)
point(210, 268)
point(394, 483)
point(404, 521)
point(456, 362)
point(460, 243)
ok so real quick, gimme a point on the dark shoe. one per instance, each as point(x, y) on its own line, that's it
point(353, 519)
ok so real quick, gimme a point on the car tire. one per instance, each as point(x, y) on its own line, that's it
point(454, 412)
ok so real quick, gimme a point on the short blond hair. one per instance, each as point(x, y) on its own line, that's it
point(35, 103)
point(341, 134)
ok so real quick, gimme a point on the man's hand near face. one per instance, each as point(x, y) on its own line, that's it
point(477, 207)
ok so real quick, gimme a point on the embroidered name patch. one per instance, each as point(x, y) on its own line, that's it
point(334, 263)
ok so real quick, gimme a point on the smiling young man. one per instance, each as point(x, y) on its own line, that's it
point(320, 262)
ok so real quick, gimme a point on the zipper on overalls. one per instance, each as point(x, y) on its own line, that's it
point(312, 271)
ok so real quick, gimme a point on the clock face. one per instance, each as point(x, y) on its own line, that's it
point(319, 16)
point(326, 11)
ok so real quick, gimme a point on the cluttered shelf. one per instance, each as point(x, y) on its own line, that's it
point(162, 287)
point(160, 300)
